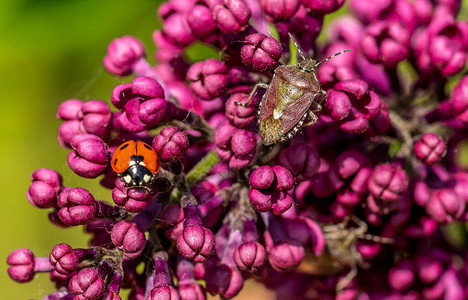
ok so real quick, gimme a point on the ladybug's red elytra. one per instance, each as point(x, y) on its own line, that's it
point(136, 163)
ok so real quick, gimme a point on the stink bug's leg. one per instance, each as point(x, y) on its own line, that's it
point(326, 59)
point(315, 107)
point(297, 46)
point(252, 93)
point(343, 282)
point(321, 95)
point(313, 119)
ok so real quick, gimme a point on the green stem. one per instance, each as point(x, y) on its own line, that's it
point(203, 167)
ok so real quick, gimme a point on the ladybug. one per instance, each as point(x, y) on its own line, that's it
point(136, 163)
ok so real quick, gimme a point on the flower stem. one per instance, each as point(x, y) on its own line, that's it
point(202, 168)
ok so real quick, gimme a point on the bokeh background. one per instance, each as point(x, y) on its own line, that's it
point(51, 51)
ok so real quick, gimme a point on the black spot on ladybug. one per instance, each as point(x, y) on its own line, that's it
point(123, 147)
point(137, 158)
point(147, 147)
point(115, 161)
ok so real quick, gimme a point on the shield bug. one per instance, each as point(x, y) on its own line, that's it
point(292, 99)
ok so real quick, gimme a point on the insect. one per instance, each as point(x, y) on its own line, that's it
point(341, 250)
point(292, 99)
point(136, 163)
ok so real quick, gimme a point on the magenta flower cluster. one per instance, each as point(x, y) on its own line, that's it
point(356, 206)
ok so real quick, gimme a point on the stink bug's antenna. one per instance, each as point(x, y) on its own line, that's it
point(297, 46)
point(326, 59)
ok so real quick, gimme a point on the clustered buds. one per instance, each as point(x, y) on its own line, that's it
point(353, 207)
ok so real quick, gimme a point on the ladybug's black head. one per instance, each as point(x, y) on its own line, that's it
point(137, 176)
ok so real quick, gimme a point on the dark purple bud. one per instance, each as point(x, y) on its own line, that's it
point(269, 189)
point(87, 284)
point(208, 79)
point(442, 46)
point(388, 182)
point(322, 6)
point(45, 186)
point(177, 29)
point(429, 269)
point(386, 42)
point(430, 148)
point(250, 256)
point(134, 200)
point(141, 104)
point(459, 100)
point(78, 206)
point(301, 160)
point(279, 9)
point(235, 145)
point(201, 22)
point(24, 265)
point(261, 53)
point(89, 158)
point(401, 276)
point(95, 117)
point(69, 110)
point(122, 54)
point(129, 237)
point(163, 293)
point(64, 259)
point(188, 288)
point(232, 16)
point(195, 242)
point(445, 205)
point(170, 144)
point(225, 281)
point(172, 219)
point(238, 115)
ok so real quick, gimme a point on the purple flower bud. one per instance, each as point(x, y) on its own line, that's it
point(195, 242)
point(459, 100)
point(24, 265)
point(65, 259)
point(305, 25)
point(225, 281)
point(172, 219)
point(95, 116)
point(322, 6)
point(235, 145)
point(77, 206)
point(279, 9)
point(429, 269)
point(141, 103)
point(301, 160)
point(269, 187)
point(129, 237)
point(261, 53)
point(201, 22)
point(401, 276)
point(69, 112)
point(208, 79)
point(188, 288)
point(134, 200)
point(387, 182)
point(430, 148)
point(122, 54)
point(45, 186)
point(445, 205)
point(87, 284)
point(163, 293)
point(177, 29)
point(386, 43)
point(353, 106)
point(442, 46)
point(89, 158)
point(250, 256)
point(240, 116)
point(232, 16)
point(170, 144)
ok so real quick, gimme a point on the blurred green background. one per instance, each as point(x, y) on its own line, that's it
point(50, 51)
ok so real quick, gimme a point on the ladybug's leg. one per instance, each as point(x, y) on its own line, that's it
point(252, 93)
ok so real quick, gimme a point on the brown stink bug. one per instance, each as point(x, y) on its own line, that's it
point(292, 97)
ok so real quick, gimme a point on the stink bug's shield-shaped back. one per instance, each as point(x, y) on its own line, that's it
point(291, 101)
point(286, 103)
